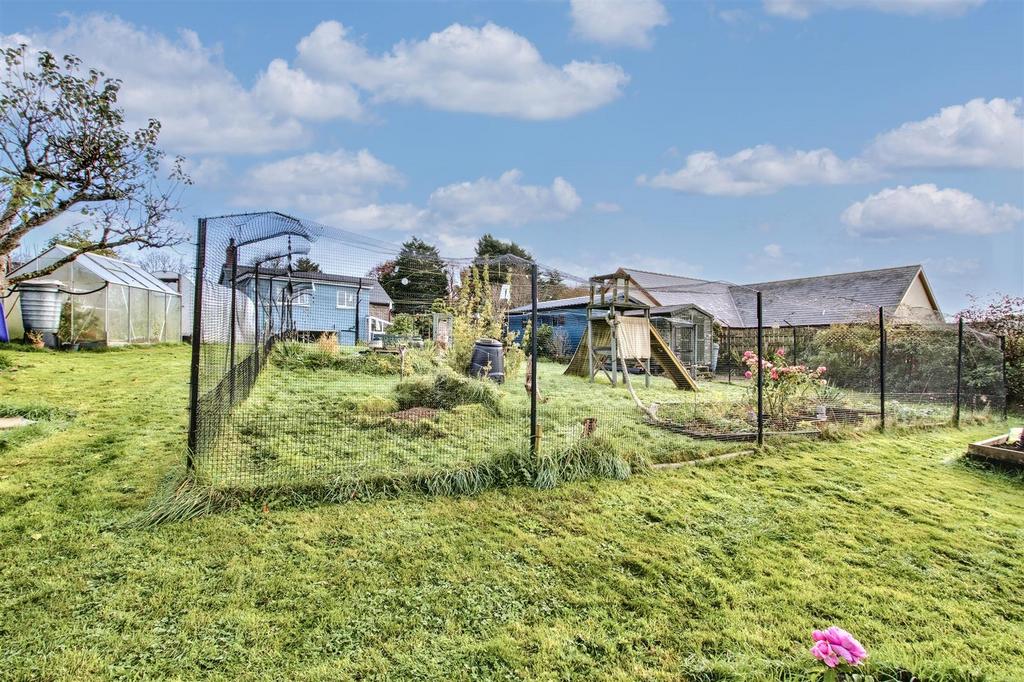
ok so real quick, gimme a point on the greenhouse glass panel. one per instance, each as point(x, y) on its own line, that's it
point(117, 314)
point(173, 327)
point(138, 315)
point(88, 313)
point(82, 279)
point(157, 316)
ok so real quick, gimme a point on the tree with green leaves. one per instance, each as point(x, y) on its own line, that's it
point(415, 278)
point(65, 147)
point(306, 265)
point(508, 261)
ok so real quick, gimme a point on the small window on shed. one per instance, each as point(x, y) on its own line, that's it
point(347, 298)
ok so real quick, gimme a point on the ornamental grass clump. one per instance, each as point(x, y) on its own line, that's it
point(837, 649)
point(447, 390)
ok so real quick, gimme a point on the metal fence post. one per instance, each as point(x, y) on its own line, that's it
point(959, 368)
point(197, 336)
point(794, 346)
point(233, 254)
point(760, 372)
point(1006, 387)
point(881, 368)
point(534, 435)
point(256, 314)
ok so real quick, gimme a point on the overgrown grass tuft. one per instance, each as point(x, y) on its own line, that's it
point(588, 458)
point(326, 354)
point(35, 411)
point(5, 362)
point(180, 498)
point(447, 390)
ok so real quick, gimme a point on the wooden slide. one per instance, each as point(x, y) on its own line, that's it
point(660, 353)
point(663, 355)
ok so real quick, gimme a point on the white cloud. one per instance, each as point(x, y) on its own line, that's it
point(926, 208)
point(759, 170)
point(773, 250)
point(802, 9)
point(318, 183)
point(607, 207)
point(341, 188)
point(951, 266)
point(733, 16)
point(488, 70)
point(504, 201)
point(404, 217)
point(208, 171)
point(181, 82)
point(454, 245)
point(975, 134)
point(293, 93)
point(615, 22)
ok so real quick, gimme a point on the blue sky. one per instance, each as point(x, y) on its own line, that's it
point(736, 141)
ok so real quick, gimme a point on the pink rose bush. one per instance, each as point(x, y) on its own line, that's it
point(784, 383)
point(836, 647)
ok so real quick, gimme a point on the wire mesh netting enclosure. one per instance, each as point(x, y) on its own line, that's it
point(321, 355)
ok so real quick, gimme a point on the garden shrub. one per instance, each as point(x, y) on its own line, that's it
point(447, 390)
point(1003, 317)
point(403, 324)
point(474, 317)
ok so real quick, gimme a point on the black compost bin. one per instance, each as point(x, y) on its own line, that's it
point(488, 352)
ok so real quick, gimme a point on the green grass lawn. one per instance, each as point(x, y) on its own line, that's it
point(715, 572)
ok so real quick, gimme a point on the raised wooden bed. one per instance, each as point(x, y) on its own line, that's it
point(999, 448)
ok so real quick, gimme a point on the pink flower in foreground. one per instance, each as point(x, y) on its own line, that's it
point(747, 354)
point(748, 374)
point(822, 370)
point(781, 352)
point(834, 644)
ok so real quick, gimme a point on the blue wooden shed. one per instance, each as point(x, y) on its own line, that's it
point(568, 317)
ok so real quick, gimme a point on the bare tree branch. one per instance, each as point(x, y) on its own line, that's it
point(64, 147)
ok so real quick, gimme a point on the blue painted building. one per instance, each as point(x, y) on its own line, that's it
point(357, 309)
point(568, 317)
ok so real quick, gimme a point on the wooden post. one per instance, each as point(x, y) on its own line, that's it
point(615, 353)
point(590, 344)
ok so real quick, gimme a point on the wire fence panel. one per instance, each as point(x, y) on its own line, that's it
point(921, 355)
point(323, 356)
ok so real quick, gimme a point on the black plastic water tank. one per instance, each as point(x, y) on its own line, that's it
point(488, 352)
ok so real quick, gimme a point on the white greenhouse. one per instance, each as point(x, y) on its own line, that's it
point(92, 301)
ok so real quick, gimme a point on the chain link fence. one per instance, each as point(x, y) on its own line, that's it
point(327, 357)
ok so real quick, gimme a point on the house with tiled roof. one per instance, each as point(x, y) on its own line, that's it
point(686, 309)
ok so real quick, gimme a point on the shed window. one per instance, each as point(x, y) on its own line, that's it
point(346, 299)
point(301, 293)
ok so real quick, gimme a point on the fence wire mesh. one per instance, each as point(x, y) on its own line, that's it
point(324, 356)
